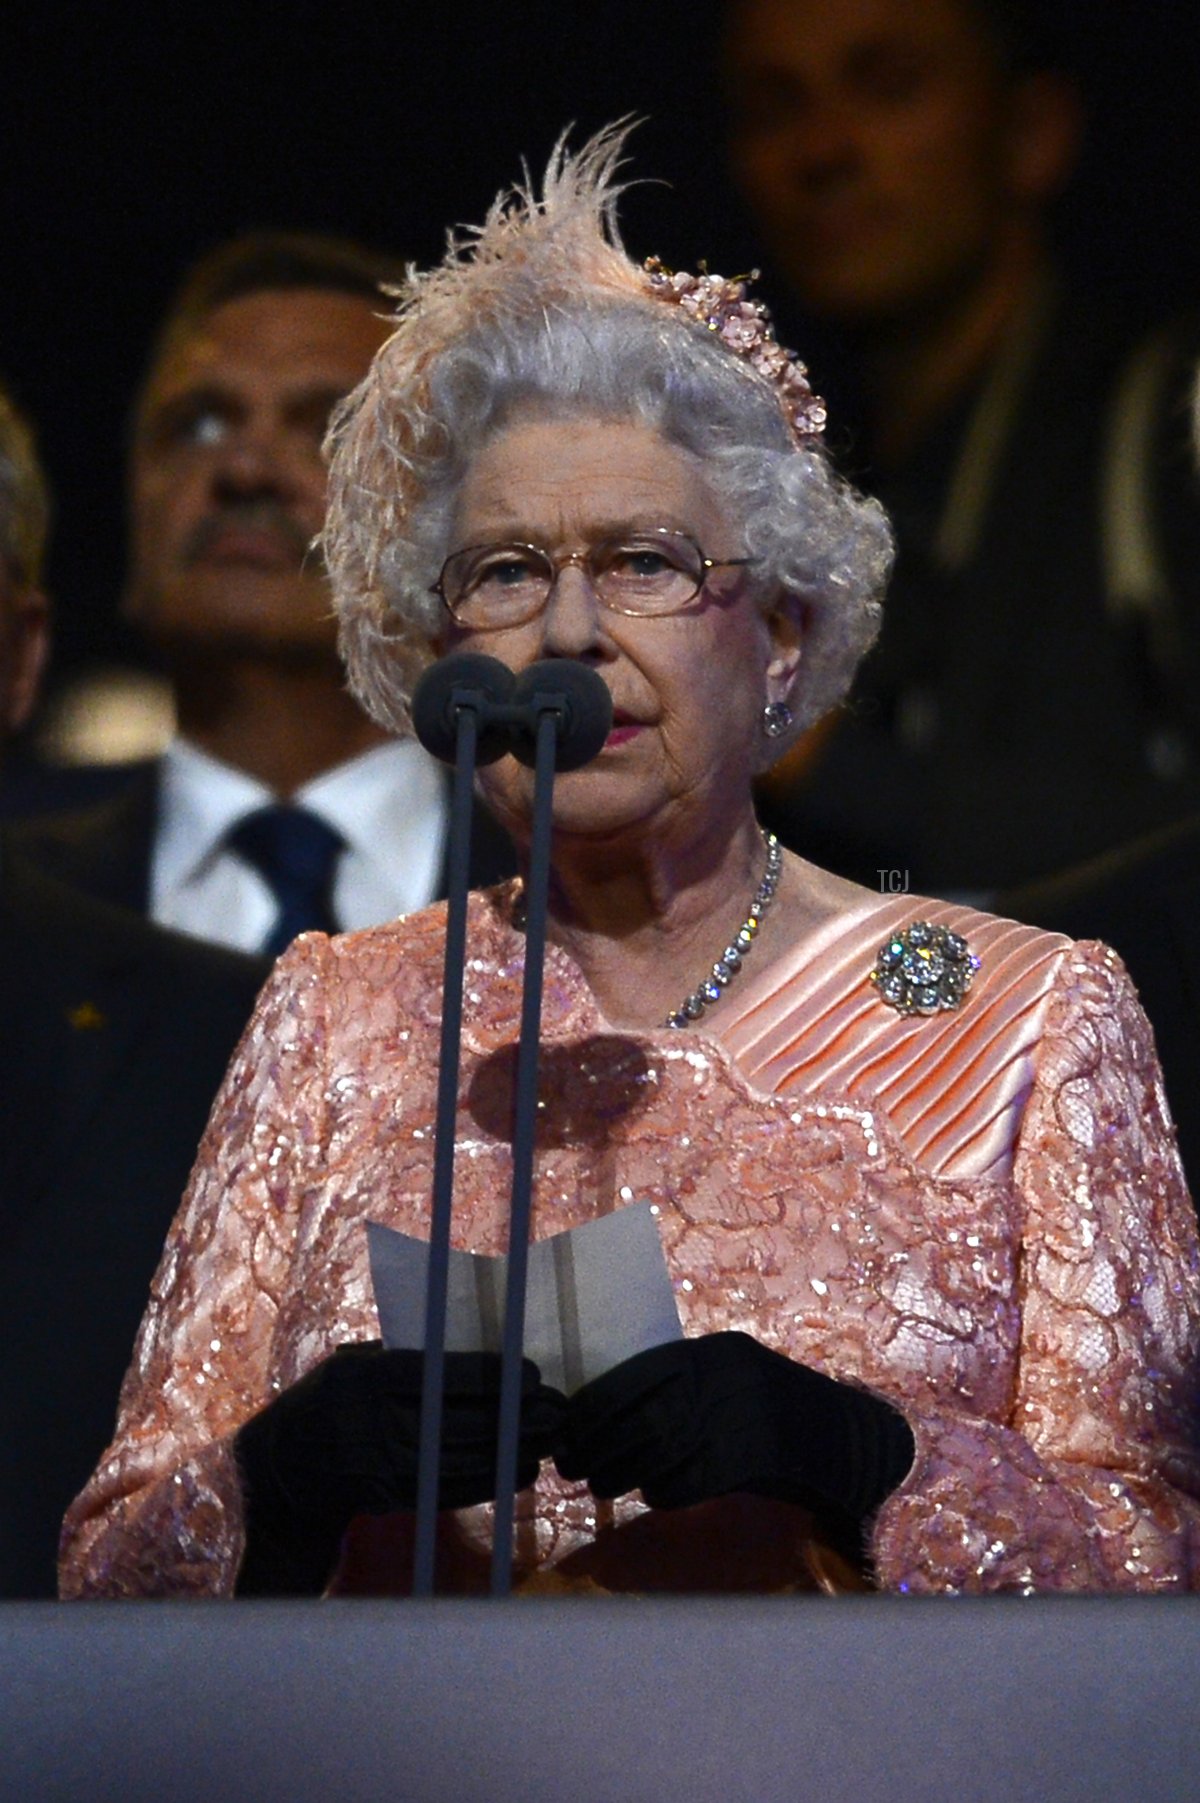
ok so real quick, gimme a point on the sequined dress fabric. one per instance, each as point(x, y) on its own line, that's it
point(980, 1216)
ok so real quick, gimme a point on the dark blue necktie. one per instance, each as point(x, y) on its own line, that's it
point(296, 854)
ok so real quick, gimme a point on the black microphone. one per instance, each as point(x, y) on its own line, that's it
point(467, 680)
point(508, 708)
point(580, 700)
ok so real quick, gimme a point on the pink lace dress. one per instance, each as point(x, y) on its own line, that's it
point(979, 1215)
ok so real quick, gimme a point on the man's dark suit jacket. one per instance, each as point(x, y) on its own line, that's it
point(1145, 901)
point(106, 850)
point(114, 1036)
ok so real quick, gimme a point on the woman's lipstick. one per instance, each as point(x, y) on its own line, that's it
point(624, 727)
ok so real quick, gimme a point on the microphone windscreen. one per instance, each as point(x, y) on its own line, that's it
point(582, 700)
point(471, 680)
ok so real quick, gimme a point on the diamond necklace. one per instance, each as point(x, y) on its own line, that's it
point(730, 962)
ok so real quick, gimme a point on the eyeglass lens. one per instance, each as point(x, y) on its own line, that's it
point(651, 574)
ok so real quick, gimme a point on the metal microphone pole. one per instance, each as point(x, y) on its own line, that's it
point(524, 1129)
point(452, 705)
point(429, 1447)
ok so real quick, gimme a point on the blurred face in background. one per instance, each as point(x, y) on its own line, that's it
point(24, 642)
point(885, 149)
point(228, 482)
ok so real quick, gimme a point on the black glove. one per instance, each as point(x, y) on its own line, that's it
point(702, 1417)
point(343, 1442)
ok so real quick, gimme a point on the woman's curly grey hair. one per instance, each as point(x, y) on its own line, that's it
point(541, 311)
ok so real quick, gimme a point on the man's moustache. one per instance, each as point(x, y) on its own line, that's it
point(263, 517)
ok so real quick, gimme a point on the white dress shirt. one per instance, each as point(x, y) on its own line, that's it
point(390, 805)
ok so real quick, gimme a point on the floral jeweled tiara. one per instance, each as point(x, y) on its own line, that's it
point(744, 327)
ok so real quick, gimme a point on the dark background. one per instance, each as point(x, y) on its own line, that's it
point(134, 138)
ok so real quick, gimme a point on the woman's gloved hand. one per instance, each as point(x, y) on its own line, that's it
point(699, 1418)
point(343, 1442)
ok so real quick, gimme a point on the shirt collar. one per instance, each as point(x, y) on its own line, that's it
point(388, 804)
point(382, 802)
point(201, 798)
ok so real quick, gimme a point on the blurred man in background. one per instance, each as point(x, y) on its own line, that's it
point(279, 806)
point(24, 612)
point(114, 1036)
point(1144, 898)
point(1030, 699)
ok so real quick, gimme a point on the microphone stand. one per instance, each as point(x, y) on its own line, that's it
point(543, 698)
point(429, 1446)
point(524, 1129)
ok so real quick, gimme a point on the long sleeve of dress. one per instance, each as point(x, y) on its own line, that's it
point(1091, 1482)
point(162, 1513)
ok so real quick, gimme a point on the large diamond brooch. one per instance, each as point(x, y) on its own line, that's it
point(923, 969)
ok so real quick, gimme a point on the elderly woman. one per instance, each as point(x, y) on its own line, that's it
point(911, 1164)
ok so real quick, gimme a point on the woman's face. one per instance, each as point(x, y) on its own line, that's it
point(687, 688)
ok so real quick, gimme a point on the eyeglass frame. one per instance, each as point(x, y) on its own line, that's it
point(580, 560)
